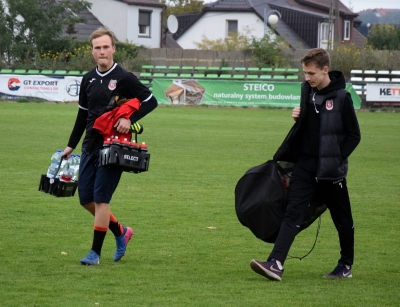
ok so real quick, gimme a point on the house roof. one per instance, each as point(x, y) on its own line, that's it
point(281, 28)
point(231, 5)
point(383, 12)
point(169, 42)
point(359, 40)
point(153, 3)
point(325, 5)
point(83, 30)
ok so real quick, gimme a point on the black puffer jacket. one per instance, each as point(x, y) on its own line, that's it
point(338, 135)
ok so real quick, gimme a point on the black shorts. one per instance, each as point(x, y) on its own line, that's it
point(96, 183)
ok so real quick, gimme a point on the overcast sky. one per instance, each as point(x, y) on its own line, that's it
point(359, 5)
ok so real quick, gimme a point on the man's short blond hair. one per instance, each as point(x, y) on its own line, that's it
point(101, 32)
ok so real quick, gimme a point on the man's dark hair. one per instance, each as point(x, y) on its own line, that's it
point(317, 56)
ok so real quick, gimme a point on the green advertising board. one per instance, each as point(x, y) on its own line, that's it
point(232, 93)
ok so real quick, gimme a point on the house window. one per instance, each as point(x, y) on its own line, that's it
point(232, 27)
point(144, 23)
point(346, 34)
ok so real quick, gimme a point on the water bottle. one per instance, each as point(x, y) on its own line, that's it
point(55, 161)
point(72, 165)
point(78, 160)
point(115, 141)
point(143, 147)
point(67, 173)
point(104, 152)
point(76, 169)
point(133, 146)
point(125, 144)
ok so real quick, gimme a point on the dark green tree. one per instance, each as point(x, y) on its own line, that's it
point(176, 7)
point(384, 37)
point(6, 36)
point(35, 24)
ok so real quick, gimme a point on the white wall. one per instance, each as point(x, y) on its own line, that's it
point(122, 19)
point(213, 26)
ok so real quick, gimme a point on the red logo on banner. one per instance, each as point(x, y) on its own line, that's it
point(329, 105)
point(13, 84)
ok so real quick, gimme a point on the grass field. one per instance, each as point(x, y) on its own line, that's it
point(189, 248)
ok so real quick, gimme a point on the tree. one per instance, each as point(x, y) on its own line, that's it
point(269, 51)
point(176, 7)
point(35, 24)
point(384, 37)
point(6, 35)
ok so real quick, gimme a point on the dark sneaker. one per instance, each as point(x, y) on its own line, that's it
point(91, 259)
point(341, 271)
point(267, 269)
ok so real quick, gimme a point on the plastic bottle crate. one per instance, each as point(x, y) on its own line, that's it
point(123, 159)
point(56, 187)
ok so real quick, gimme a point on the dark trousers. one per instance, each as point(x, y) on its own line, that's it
point(335, 196)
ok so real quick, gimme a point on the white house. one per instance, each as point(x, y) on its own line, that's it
point(215, 25)
point(136, 21)
point(303, 23)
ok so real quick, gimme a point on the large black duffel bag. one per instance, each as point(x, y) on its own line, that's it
point(261, 198)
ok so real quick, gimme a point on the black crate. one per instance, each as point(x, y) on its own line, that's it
point(56, 187)
point(125, 159)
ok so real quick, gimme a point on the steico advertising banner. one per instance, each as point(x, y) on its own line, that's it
point(232, 93)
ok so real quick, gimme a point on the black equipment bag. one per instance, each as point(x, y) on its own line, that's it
point(261, 199)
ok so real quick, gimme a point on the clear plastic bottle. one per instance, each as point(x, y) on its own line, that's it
point(78, 159)
point(76, 169)
point(105, 151)
point(66, 173)
point(72, 164)
point(54, 162)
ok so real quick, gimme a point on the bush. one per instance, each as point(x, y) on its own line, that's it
point(348, 57)
point(266, 52)
point(238, 41)
point(70, 54)
point(269, 51)
point(345, 58)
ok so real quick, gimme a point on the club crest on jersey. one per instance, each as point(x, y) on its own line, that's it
point(112, 85)
point(329, 105)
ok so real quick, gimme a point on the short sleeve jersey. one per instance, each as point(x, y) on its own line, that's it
point(98, 88)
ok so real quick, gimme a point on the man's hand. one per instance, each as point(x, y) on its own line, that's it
point(296, 113)
point(123, 125)
point(67, 152)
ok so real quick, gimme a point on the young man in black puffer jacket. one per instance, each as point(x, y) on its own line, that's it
point(326, 132)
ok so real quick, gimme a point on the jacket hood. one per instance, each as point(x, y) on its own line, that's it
point(337, 82)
